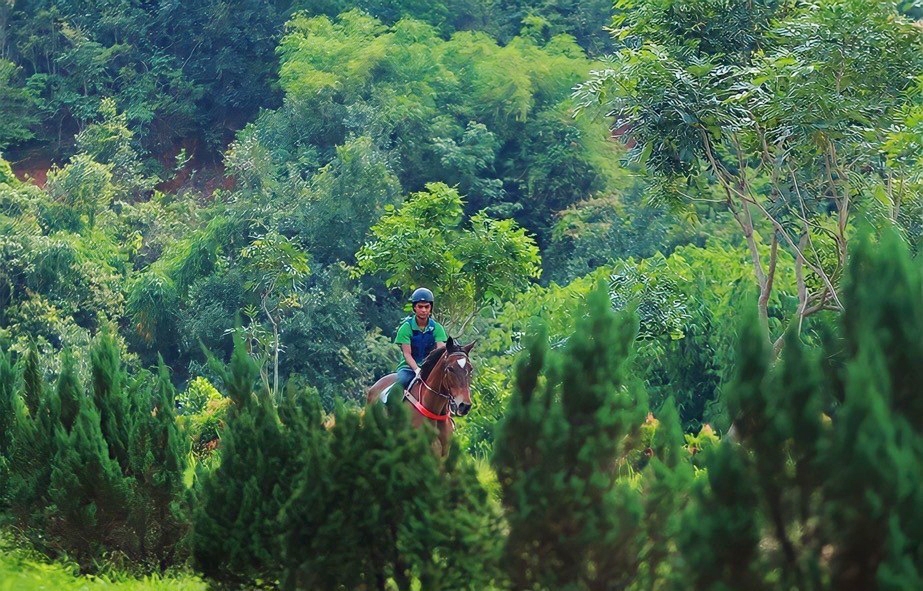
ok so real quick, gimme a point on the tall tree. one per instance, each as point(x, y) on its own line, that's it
point(471, 266)
point(759, 108)
point(813, 502)
point(574, 524)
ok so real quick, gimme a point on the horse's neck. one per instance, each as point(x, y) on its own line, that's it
point(427, 394)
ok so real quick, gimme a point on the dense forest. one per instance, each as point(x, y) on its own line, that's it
point(683, 236)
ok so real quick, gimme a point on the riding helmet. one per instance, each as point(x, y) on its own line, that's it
point(421, 294)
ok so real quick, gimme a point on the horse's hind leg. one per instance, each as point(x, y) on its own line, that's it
point(384, 384)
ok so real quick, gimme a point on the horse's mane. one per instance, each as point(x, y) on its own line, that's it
point(433, 358)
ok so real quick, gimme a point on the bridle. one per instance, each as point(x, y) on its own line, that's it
point(452, 405)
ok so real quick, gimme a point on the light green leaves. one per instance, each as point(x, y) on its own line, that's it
point(425, 243)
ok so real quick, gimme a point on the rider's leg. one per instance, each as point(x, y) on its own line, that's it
point(405, 375)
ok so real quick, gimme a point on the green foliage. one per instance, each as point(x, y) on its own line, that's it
point(152, 304)
point(493, 119)
point(110, 142)
point(346, 197)
point(759, 108)
point(22, 571)
point(173, 72)
point(18, 103)
point(685, 304)
point(83, 185)
point(99, 473)
point(235, 531)
point(424, 243)
point(203, 413)
point(557, 459)
point(819, 502)
point(10, 411)
point(373, 484)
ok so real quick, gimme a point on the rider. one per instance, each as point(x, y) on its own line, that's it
point(417, 336)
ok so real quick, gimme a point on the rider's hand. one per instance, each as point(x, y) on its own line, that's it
point(416, 371)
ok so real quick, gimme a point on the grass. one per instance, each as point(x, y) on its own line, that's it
point(21, 570)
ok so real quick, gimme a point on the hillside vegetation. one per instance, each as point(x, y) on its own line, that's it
point(684, 235)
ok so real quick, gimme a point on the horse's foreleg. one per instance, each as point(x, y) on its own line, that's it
point(443, 438)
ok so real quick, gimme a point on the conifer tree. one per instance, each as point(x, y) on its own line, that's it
point(31, 455)
point(69, 392)
point(158, 453)
point(235, 531)
point(9, 413)
point(111, 398)
point(471, 531)
point(373, 504)
point(32, 380)
point(573, 523)
point(665, 483)
point(813, 503)
point(873, 497)
point(368, 519)
point(89, 495)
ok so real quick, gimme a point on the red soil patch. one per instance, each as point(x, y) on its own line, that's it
point(32, 170)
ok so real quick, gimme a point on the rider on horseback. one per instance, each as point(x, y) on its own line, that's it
point(417, 336)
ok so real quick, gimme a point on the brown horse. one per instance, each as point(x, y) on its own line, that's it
point(442, 390)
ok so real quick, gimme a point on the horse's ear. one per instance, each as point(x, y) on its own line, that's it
point(467, 348)
point(450, 344)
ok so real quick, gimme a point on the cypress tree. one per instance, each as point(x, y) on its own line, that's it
point(373, 505)
point(235, 531)
point(11, 411)
point(819, 503)
point(665, 483)
point(874, 495)
point(111, 398)
point(573, 523)
point(369, 519)
point(32, 380)
point(470, 532)
point(158, 452)
point(33, 449)
point(69, 392)
point(88, 493)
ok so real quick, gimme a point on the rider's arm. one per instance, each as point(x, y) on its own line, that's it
point(408, 357)
point(441, 336)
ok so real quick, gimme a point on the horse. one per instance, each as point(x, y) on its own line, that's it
point(442, 390)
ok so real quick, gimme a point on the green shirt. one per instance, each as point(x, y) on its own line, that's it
point(406, 330)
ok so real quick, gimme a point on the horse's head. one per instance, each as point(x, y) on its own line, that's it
point(456, 381)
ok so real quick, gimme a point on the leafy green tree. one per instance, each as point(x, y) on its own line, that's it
point(279, 267)
point(345, 198)
point(19, 105)
point(465, 111)
point(111, 142)
point(424, 243)
point(901, 200)
point(152, 304)
point(176, 72)
point(758, 108)
point(329, 343)
point(83, 185)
